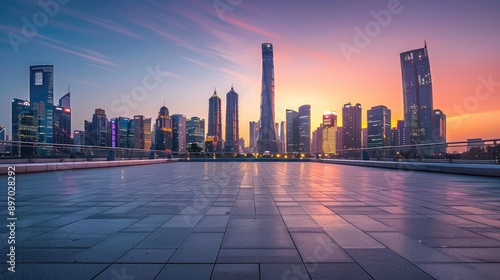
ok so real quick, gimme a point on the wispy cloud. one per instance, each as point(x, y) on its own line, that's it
point(105, 23)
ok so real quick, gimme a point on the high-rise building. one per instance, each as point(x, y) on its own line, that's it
point(195, 130)
point(351, 123)
point(340, 138)
point(122, 132)
point(2, 133)
point(241, 144)
point(379, 127)
point(403, 133)
point(292, 131)
point(318, 140)
point(394, 137)
point(142, 133)
point(42, 100)
point(62, 125)
point(215, 121)
point(254, 135)
point(232, 123)
point(79, 137)
point(304, 126)
point(283, 136)
point(417, 95)
point(179, 133)
point(19, 107)
point(163, 131)
point(439, 130)
point(329, 131)
point(65, 100)
point(267, 134)
point(96, 131)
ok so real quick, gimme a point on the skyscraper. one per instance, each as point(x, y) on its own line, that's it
point(304, 144)
point(65, 100)
point(254, 135)
point(163, 130)
point(2, 133)
point(122, 132)
point(19, 107)
point(142, 133)
point(379, 127)
point(179, 133)
point(215, 121)
point(96, 131)
point(340, 138)
point(292, 131)
point(329, 131)
point(195, 130)
point(42, 100)
point(402, 133)
point(282, 137)
point(351, 123)
point(439, 130)
point(232, 123)
point(267, 133)
point(62, 125)
point(417, 95)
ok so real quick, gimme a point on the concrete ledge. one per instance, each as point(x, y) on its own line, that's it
point(59, 166)
point(452, 168)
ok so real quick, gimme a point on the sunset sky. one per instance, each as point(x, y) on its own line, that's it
point(105, 49)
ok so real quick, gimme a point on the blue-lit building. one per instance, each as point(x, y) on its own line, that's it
point(232, 123)
point(417, 95)
point(96, 131)
point(267, 133)
point(379, 127)
point(122, 132)
point(42, 100)
point(62, 125)
point(24, 127)
point(179, 133)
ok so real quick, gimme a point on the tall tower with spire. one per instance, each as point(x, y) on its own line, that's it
point(267, 132)
point(215, 120)
point(232, 122)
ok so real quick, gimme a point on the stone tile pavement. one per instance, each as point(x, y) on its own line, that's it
point(244, 220)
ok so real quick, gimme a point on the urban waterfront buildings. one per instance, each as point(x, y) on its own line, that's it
point(329, 132)
point(267, 141)
point(142, 133)
point(292, 131)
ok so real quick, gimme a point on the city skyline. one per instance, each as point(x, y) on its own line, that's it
point(99, 75)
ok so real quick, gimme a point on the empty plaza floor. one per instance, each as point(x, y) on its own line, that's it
point(252, 220)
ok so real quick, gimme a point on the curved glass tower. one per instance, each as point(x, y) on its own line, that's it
point(417, 95)
point(267, 132)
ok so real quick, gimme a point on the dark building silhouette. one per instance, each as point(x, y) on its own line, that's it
point(163, 131)
point(42, 100)
point(232, 123)
point(215, 121)
point(351, 124)
point(267, 141)
point(24, 126)
point(62, 125)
